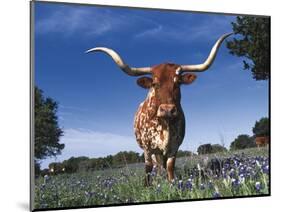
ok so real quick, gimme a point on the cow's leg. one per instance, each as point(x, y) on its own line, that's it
point(165, 161)
point(148, 168)
point(157, 163)
point(170, 168)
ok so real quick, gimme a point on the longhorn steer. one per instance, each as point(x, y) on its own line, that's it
point(159, 122)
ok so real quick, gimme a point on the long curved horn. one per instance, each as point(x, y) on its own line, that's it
point(204, 66)
point(123, 66)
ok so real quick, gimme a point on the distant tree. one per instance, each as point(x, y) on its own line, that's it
point(84, 166)
point(72, 164)
point(109, 160)
point(56, 168)
point(81, 164)
point(204, 149)
point(210, 148)
point(253, 43)
point(182, 153)
point(218, 148)
point(119, 158)
point(47, 130)
point(131, 157)
point(44, 172)
point(124, 157)
point(142, 157)
point(242, 142)
point(261, 127)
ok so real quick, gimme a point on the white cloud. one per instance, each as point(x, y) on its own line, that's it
point(96, 144)
point(69, 20)
point(150, 32)
point(98, 21)
point(208, 29)
point(85, 142)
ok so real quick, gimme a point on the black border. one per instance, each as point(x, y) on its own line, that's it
point(31, 105)
point(31, 90)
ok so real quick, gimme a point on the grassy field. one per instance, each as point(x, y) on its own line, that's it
point(239, 173)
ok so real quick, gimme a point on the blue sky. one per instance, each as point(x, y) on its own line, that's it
point(97, 101)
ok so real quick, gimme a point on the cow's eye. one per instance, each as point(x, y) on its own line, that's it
point(155, 84)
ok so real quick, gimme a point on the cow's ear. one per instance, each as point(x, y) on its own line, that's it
point(187, 78)
point(144, 82)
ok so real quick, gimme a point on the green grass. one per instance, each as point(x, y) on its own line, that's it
point(126, 185)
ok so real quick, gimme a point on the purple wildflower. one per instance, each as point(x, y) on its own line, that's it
point(188, 184)
point(258, 186)
point(235, 182)
point(216, 194)
point(210, 185)
point(265, 169)
point(180, 185)
point(202, 186)
point(158, 189)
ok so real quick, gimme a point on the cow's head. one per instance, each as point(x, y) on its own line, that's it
point(164, 85)
point(165, 80)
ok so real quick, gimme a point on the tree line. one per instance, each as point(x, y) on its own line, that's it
point(80, 164)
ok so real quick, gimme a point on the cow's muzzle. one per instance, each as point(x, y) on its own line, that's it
point(167, 111)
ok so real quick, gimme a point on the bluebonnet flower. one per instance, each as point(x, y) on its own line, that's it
point(242, 169)
point(265, 169)
point(89, 194)
point(231, 173)
point(216, 194)
point(258, 186)
point(224, 175)
point(83, 185)
point(226, 165)
point(249, 172)
point(42, 186)
point(235, 182)
point(180, 185)
point(236, 163)
point(129, 200)
point(188, 184)
point(242, 178)
point(258, 163)
point(46, 178)
point(158, 189)
point(210, 185)
point(44, 205)
point(202, 186)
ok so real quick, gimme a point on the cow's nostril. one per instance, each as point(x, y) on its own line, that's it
point(173, 110)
